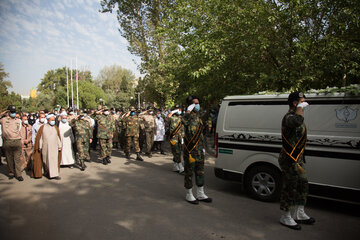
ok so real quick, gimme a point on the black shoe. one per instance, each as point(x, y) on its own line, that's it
point(20, 179)
point(309, 221)
point(104, 161)
point(138, 157)
point(127, 155)
point(148, 155)
point(206, 200)
point(11, 177)
point(193, 202)
point(108, 159)
point(162, 152)
point(295, 227)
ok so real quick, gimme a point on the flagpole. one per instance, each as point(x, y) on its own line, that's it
point(72, 88)
point(67, 87)
point(77, 85)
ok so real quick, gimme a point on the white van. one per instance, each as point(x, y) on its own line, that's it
point(248, 143)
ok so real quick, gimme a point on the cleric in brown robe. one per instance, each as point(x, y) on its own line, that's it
point(47, 150)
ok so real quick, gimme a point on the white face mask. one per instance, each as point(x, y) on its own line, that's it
point(42, 120)
point(26, 122)
point(106, 112)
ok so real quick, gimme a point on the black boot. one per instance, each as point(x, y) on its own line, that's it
point(82, 165)
point(104, 161)
point(138, 157)
point(108, 159)
point(127, 155)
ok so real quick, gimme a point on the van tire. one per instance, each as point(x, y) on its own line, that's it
point(263, 182)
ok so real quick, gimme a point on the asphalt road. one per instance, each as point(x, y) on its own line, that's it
point(145, 200)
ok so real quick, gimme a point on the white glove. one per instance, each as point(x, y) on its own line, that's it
point(191, 107)
point(204, 151)
point(174, 111)
point(182, 141)
point(303, 105)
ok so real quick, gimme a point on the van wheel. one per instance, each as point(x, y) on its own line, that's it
point(263, 183)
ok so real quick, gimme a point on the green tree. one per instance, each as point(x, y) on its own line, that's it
point(7, 98)
point(118, 84)
point(53, 89)
point(214, 48)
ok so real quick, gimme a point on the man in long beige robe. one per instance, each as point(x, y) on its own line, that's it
point(50, 148)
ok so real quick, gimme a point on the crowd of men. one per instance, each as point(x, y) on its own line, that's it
point(42, 142)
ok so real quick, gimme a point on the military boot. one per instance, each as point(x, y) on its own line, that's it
point(190, 197)
point(176, 167)
point(82, 165)
point(127, 155)
point(201, 196)
point(288, 221)
point(181, 168)
point(138, 157)
point(108, 159)
point(300, 216)
point(104, 161)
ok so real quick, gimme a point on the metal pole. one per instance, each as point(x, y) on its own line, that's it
point(77, 86)
point(138, 100)
point(72, 88)
point(67, 87)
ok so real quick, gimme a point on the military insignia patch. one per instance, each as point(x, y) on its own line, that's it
point(346, 114)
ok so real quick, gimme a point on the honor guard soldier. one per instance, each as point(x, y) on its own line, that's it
point(131, 124)
point(194, 151)
point(83, 137)
point(149, 123)
point(11, 127)
point(291, 161)
point(105, 133)
point(176, 137)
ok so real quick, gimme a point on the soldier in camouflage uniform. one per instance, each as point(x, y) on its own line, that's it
point(105, 133)
point(176, 137)
point(131, 124)
point(291, 161)
point(148, 120)
point(115, 140)
point(194, 151)
point(121, 130)
point(83, 137)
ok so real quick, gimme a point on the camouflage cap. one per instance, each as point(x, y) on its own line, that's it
point(132, 109)
point(105, 108)
point(81, 112)
point(150, 108)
